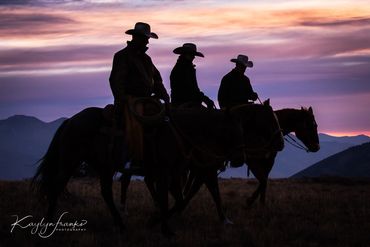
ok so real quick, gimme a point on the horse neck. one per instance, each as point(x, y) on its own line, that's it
point(288, 119)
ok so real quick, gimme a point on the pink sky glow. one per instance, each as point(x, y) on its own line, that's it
point(55, 56)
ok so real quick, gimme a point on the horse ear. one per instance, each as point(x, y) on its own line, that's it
point(310, 110)
point(266, 102)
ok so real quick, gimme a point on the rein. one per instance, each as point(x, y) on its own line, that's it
point(265, 149)
point(295, 144)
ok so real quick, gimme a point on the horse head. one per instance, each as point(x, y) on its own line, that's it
point(260, 126)
point(306, 130)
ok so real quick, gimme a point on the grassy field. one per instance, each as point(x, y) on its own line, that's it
point(321, 212)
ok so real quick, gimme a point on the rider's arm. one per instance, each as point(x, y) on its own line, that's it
point(159, 88)
point(118, 76)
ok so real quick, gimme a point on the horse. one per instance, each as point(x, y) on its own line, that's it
point(83, 139)
point(300, 121)
point(86, 138)
point(207, 173)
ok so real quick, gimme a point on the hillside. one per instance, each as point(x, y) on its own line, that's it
point(23, 141)
point(353, 162)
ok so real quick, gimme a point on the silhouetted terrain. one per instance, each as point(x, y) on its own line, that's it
point(311, 212)
point(353, 162)
point(24, 140)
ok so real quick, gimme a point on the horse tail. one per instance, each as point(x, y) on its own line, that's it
point(47, 171)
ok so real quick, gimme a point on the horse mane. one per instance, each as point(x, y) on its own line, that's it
point(289, 116)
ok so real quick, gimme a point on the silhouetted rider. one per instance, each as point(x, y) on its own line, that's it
point(134, 75)
point(184, 85)
point(235, 88)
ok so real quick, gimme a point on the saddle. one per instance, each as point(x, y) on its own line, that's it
point(109, 128)
point(139, 120)
point(153, 111)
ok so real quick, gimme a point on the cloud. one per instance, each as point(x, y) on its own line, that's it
point(39, 2)
point(19, 23)
point(50, 58)
point(355, 21)
point(55, 54)
point(15, 2)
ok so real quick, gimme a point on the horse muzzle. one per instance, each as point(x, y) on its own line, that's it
point(314, 148)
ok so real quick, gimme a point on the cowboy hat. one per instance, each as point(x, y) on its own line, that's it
point(142, 28)
point(242, 59)
point(188, 48)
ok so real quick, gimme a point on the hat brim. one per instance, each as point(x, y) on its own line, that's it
point(182, 50)
point(247, 64)
point(149, 35)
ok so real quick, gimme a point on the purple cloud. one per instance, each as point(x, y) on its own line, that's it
point(29, 59)
point(13, 23)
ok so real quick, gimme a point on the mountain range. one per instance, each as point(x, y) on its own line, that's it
point(352, 162)
point(25, 139)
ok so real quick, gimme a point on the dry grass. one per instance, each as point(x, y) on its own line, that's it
point(326, 212)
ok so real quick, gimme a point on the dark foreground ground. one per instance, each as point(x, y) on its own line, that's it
point(321, 212)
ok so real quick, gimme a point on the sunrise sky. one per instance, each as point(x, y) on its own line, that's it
point(55, 56)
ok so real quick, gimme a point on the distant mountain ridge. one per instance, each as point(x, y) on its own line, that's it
point(344, 139)
point(25, 139)
point(352, 162)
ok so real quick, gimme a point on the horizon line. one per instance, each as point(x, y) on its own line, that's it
point(330, 133)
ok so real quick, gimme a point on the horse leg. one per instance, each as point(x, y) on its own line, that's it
point(176, 192)
point(211, 182)
point(195, 187)
point(125, 182)
point(189, 182)
point(175, 189)
point(269, 163)
point(254, 196)
point(106, 182)
point(152, 190)
point(255, 167)
point(261, 169)
point(263, 185)
point(162, 192)
point(67, 166)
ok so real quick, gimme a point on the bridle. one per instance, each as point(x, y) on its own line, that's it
point(295, 143)
point(289, 139)
point(265, 149)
